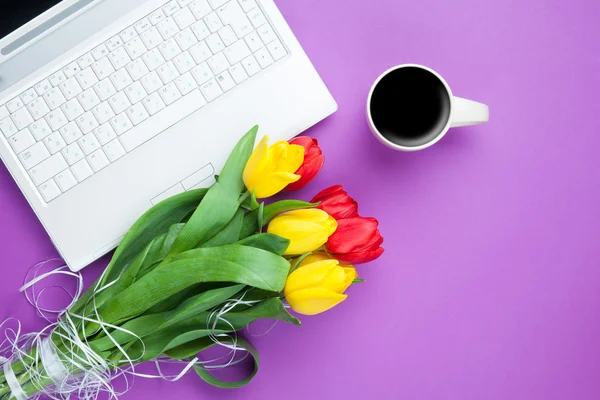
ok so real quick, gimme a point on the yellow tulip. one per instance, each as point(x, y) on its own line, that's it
point(318, 286)
point(271, 168)
point(307, 230)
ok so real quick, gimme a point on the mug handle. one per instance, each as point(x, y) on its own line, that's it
point(469, 112)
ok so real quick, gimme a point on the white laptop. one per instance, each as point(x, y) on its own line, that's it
point(109, 106)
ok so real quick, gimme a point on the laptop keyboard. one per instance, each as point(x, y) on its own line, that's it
point(129, 89)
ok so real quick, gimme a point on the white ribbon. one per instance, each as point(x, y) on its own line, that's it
point(13, 383)
point(52, 363)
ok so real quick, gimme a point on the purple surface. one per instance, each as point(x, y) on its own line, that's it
point(490, 284)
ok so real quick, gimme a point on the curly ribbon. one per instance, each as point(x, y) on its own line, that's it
point(54, 380)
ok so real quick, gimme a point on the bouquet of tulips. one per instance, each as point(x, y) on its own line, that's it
point(200, 266)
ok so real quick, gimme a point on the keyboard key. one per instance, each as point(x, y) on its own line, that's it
point(34, 155)
point(71, 69)
point(105, 134)
point(86, 78)
point(98, 160)
point(54, 98)
point(151, 82)
point(142, 25)
point(200, 52)
point(54, 143)
point(153, 103)
point(121, 79)
point(14, 104)
point(47, 169)
point(257, 18)
point(167, 72)
point(186, 83)
point(253, 41)
point(171, 8)
point(238, 73)
point(70, 88)
point(81, 171)
point(169, 93)
point(114, 43)
point(167, 28)
point(28, 96)
point(40, 129)
point(149, 129)
point(277, 50)
point(21, 141)
point(248, 5)
point(213, 22)
point(38, 108)
point(49, 191)
point(72, 109)
point(137, 69)
point(183, 3)
point(3, 112)
point(22, 118)
point(200, 8)
point(56, 119)
point(70, 132)
point(153, 59)
point(119, 102)
point(266, 33)
point(184, 18)
point(263, 57)
point(100, 52)
point(88, 99)
point(237, 52)
point(227, 35)
point(137, 114)
point(85, 61)
point(42, 87)
point(225, 81)
point(151, 38)
point(186, 39)
point(184, 62)
point(215, 43)
point(87, 122)
point(200, 30)
point(104, 89)
point(65, 180)
point(211, 90)
point(217, 3)
point(121, 123)
point(202, 73)
point(8, 128)
point(156, 17)
point(72, 153)
point(119, 58)
point(89, 143)
point(103, 112)
point(57, 78)
point(218, 63)
point(169, 49)
point(135, 92)
point(251, 65)
point(114, 150)
point(135, 48)
point(128, 34)
point(103, 68)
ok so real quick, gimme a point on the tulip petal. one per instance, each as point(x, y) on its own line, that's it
point(351, 275)
point(335, 280)
point(362, 257)
point(256, 164)
point(286, 157)
point(314, 300)
point(353, 234)
point(326, 193)
point(314, 257)
point(310, 275)
point(273, 183)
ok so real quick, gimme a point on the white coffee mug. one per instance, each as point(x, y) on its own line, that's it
point(411, 107)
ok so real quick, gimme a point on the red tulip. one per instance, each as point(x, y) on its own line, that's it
point(356, 240)
point(313, 162)
point(336, 202)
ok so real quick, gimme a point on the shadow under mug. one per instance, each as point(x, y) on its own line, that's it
point(462, 112)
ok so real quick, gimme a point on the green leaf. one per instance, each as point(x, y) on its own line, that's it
point(266, 241)
point(230, 263)
point(153, 223)
point(221, 201)
point(230, 233)
point(251, 220)
point(356, 281)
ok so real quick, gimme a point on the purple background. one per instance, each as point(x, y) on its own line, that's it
point(490, 284)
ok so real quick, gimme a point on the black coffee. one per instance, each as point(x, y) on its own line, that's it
point(410, 106)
